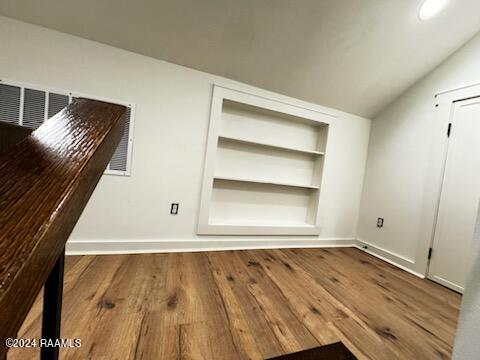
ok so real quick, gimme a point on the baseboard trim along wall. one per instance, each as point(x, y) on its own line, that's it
point(116, 247)
point(448, 284)
point(110, 247)
point(388, 256)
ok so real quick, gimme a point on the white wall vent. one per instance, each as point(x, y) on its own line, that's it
point(9, 103)
point(30, 106)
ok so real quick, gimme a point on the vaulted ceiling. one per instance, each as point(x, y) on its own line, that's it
point(353, 55)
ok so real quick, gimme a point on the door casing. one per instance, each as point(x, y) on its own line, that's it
point(442, 106)
point(455, 106)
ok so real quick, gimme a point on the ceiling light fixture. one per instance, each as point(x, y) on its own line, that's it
point(430, 8)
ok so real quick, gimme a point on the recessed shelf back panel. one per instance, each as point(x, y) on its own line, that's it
point(248, 203)
point(271, 127)
point(242, 160)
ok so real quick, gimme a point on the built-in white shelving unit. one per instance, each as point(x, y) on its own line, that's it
point(264, 166)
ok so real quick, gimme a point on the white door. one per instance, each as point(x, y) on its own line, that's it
point(459, 200)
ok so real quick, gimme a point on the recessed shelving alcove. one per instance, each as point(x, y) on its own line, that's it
point(263, 168)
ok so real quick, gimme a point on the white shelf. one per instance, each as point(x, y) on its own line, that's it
point(251, 228)
point(258, 181)
point(253, 142)
point(264, 167)
point(262, 224)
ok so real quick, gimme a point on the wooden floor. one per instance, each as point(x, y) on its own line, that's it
point(248, 304)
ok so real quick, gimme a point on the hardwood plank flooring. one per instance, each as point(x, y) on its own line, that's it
point(248, 305)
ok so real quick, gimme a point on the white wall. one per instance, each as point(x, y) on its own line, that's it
point(467, 345)
point(172, 111)
point(397, 185)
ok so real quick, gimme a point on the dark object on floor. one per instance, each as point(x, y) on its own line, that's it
point(336, 351)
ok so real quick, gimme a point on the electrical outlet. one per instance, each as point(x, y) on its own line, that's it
point(174, 209)
point(380, 222)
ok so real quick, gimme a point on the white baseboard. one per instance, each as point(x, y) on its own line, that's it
point(389, 256)
point(448, 284)
point(106, 247)
point(112, 247)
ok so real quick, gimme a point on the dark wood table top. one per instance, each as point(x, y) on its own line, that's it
point(45, 182)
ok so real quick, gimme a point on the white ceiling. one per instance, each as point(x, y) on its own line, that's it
point(353, 55)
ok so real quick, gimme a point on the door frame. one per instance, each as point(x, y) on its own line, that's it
point(444, 106)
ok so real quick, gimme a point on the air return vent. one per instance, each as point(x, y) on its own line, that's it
point(56, 102)
point(30, 106)
point(9, 103)
point(119, 159)
point(33, 108)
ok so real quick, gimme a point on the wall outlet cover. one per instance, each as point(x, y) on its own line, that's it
point(380, 222)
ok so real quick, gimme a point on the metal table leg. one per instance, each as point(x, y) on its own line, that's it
point(52, 308)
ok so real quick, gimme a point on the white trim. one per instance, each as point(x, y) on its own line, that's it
point(105, 247)
point(457, 88)
point(388, 256)
point(22, 105)
point(310, 115)
point(400, 258)
point(447, 283)
point(45, 106)
point(117, 247)
point(273, 98)
point(251, 229)
point(444, 102)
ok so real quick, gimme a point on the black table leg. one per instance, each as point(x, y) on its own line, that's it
point(52, 309)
